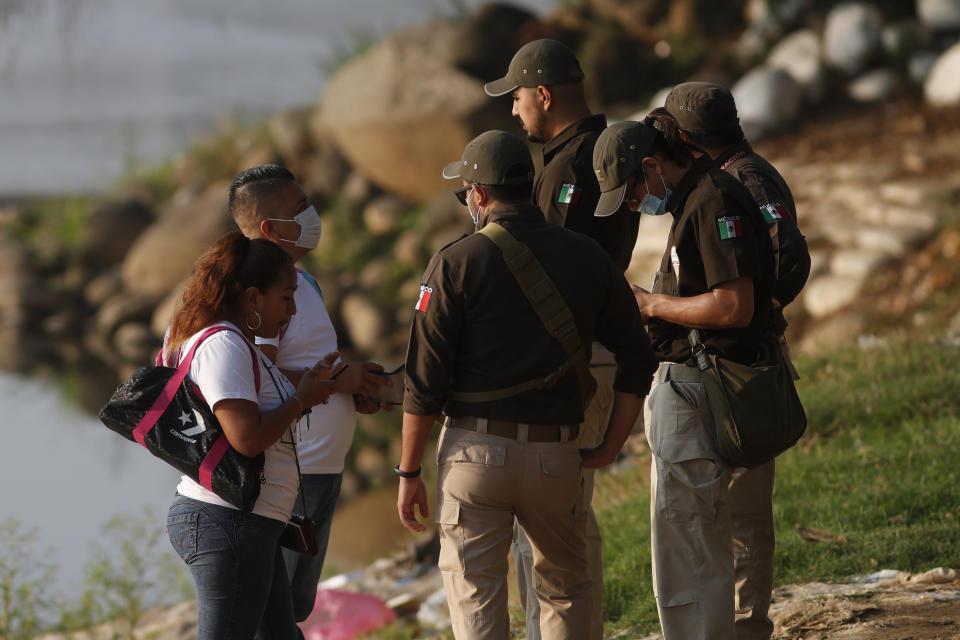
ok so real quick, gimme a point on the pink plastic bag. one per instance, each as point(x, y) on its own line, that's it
point(344, 615)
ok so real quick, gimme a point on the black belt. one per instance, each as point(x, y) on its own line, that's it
point(514, 430)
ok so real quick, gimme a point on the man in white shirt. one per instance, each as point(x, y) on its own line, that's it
point(266, 202)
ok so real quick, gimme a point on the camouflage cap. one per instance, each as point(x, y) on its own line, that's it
point(493, 158)
point(616, 157)
point(702, 106)
point(541, 62)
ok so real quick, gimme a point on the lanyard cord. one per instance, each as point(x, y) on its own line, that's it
point(293, 439)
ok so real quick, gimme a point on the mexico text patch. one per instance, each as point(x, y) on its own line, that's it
point(729, 227)
point(424, 298)
point(773, 211)
point(569, 194)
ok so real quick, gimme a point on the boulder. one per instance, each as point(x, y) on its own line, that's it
point(164, 310)
point(398, 114)
point(857, 264)
point(920, 64)
point(799, 54)
point(365, 322)
point(112, 228)
point(939, 15)
point(409, 250)
point(852, 36)
point(123, 308)
point(827, 294)
point(135, 343)
point(874, 86)
point(164, 254)
point(487, 40)
point(290, 134)
point(382, 215)
point(324, 172)
point(942, 86)
point(767, 100)
point(103, 287)
point(357, 190)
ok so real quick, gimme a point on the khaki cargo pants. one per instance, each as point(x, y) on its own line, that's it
point(711, 526)
point(603, 368)
point(484, 482)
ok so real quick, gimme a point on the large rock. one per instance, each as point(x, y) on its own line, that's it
point(852, 36)
point(874, 86)
point(365, 322)
point(112, 228)
point(398, 114)
point(767, 100)
point(942, 87)
point(799, 54)
point(827, 294)
point(382, 215)
point(488, 39)
point(164, 254)
point(939, 14)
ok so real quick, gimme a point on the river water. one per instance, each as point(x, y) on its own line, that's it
point(89, 88)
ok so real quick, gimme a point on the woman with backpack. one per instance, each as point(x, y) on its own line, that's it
point(246, 287)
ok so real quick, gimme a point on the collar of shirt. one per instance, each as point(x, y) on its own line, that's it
point(689, 180)
point(732, 154)
point(597, 122)
point(510, 213)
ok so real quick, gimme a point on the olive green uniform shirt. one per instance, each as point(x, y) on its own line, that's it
point(567, 191)
point(717, 236)
point(474, 330)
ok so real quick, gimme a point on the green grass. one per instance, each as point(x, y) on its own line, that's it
point(877, 466)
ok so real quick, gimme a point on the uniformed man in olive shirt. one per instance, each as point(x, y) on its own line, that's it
point(475, 336)
point(545, 81)
point(707, 115)
point(716, 276)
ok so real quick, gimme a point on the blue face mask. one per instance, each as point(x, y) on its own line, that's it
point(473, 216)
point(650, 204)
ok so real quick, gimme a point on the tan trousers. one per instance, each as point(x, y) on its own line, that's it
point(484, 482)
point(603, 368)
point(711, 526)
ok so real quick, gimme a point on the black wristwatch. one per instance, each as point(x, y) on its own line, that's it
point(409, 475)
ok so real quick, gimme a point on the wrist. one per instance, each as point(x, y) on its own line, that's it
point(407, 475)
point(299, 402)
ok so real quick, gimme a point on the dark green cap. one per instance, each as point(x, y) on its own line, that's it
point(702, 106)
point(494, 158)
point(541, 62)
point(617, 155)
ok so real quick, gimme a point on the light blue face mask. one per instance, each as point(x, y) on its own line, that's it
point(474, 217)
point(650, 204)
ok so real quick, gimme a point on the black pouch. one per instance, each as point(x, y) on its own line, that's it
point(300, 535)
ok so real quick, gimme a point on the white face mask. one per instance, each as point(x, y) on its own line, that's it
point(309, 222)
point(650, 204)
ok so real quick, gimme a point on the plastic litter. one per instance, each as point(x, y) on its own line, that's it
point(434, 613)
point(344, 615)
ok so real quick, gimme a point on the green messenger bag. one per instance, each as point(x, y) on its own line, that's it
point(757, 413)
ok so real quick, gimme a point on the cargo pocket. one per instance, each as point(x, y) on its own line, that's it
point(471, 452)
point(182, 530)
point(564, 474)
point(451, 536)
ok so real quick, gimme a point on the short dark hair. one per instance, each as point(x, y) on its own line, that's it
point(512, 193)
point(670, 144)
point(250, 186)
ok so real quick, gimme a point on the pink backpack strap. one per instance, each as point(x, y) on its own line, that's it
point(170, 389)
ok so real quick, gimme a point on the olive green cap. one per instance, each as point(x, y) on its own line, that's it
point(617, 155)
point(702, 106)
point(494, 158)
point(541, 62)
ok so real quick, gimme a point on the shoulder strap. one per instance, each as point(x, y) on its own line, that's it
point(188, 359)
point(312, 281)
point(551, 308)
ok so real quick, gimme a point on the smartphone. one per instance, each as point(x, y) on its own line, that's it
point(391, 393)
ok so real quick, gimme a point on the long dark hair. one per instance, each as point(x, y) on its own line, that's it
point(220, 276)
point(671, 144)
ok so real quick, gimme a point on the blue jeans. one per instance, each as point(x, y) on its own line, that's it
point(322, 492)
point(238, 569)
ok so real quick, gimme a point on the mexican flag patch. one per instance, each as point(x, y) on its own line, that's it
point(424, 298)
point(569, 194)
point(773, 211)
point(729, 227)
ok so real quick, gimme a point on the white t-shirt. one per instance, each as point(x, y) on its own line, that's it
point(306, 339)
point(223, 369)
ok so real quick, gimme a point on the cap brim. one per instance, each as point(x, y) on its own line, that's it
point(499, 87)
point(452, 170)
point(610, 201)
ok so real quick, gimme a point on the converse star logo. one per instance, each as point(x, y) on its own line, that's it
point(184, 418)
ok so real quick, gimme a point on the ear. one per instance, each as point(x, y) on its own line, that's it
point(266, 230)
point(483, 196)
point(545, 97)
point(651, 165)
point(250, 298)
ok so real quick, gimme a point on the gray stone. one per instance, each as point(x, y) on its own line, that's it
point(112, 228)
point(409, 250)
point(827, 294)
point(852, 36)
point(799, 54)
point(767, 100)
point(895, 241)
point(375, 273)
point(874, 86)
point(939, 14)
point(857, 264)
point(164, 254)
point(103, 287)
point(396, 112)
point(364, 321)
point(942, 86)
point(828, 334)
point(920, 64)
point(123, 308)
point(135, 343)
point(382, 215)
